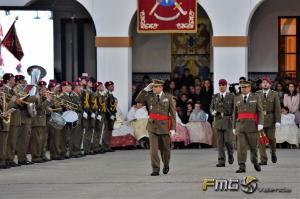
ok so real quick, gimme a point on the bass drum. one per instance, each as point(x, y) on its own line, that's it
point(71, 118)
point(57, 121)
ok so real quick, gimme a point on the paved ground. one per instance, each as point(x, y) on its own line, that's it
point(125, 174)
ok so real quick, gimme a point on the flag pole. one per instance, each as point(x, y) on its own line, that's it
point(9, 30)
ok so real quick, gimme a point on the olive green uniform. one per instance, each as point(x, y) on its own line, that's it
point(87, 124)
point(39, 127)
point(159, 130)
point(246, 129)
point(223, 106)
point(272, 114)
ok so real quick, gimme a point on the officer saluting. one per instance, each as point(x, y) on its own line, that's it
point(272, 119)
point(248, 119)
point(221, 108)
point(160, 125)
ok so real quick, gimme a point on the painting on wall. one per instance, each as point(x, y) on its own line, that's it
point(193, 51)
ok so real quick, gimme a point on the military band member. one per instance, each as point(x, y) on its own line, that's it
point(248, 120)
point(39, 131)
point(5, 105)
point(77, 133)
point(222, 108)
point(99, 106)
point(161, 123)
point(88, 116)
point(110, 118)
point(15, 121)
point(272, 119)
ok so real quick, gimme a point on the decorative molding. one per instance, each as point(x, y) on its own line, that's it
point(230, 41)
point(113, 42)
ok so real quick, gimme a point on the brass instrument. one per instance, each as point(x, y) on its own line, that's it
point(4, 113)
point(63, 102)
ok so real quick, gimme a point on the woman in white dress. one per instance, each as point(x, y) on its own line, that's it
point(200, 130)
point(138, 118)
point(288, 130)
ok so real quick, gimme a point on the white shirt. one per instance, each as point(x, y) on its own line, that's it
point(159, 94)
point(224, 95)
point(247, 96)
point(266, 91)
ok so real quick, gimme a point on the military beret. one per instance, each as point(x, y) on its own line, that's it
point(157, 82)
point(76, 83)
point(7, 76)
point(267, 79)
point(109, 83)
point(19, 77)
point(42, 83)
point(65, 83)
point(222, 82)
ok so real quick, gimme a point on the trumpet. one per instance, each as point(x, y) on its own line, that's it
point(66, 103)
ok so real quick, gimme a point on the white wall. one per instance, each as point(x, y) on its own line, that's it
point(263, 33)
point(152, 53)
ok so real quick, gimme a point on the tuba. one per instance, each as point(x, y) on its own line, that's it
point(36, 72)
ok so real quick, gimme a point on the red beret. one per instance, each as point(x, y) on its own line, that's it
point(267, 79)
point(65, 83)
point(223, 82)
point(42, 83)
point(7, 76)
point(19, 77)
point(109, 83)
point(76, 83)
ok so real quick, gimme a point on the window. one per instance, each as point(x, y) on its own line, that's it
point(288, 46)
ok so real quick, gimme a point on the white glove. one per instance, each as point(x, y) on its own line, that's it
point(99, 118)
point(148, 88)
point(172, 132)
point(93, 115)
point(214, 113)
point(260, 127)
point(277, 124)
point(234, 132)
point(112, 117)
point(85, 115)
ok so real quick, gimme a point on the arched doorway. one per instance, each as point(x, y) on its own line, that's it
point(274, 40)
point(74, 38)
point(163, 55)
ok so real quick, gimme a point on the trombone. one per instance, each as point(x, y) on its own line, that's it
point(66, 103)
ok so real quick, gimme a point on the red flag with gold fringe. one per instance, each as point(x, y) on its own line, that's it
point(12, 43)
point(167, 16)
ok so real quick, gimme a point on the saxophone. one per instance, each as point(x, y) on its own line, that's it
point(5, 114)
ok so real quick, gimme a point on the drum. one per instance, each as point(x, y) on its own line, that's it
point(57, 121)
point(71, 118)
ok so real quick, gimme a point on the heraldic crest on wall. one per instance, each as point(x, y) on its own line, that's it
point(167, 16)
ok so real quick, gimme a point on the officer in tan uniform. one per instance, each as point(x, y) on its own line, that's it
point(222, 108)
point(248, 120)
point(272, 119)
point(161, 123)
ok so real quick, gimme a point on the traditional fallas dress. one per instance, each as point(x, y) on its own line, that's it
point(123, 134)
point(288, 130)
point(138, 119)
point(200, 130)
point(182, 133)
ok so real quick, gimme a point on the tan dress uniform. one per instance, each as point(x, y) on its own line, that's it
point(162, 114)
point(222, 104)
point(272, 115)
point(38, 130)
point(246, 116)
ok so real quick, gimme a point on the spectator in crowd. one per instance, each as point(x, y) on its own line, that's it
point(197, 82)
point(197, 94)
point(291, 100)
point(191, 92)
point(171, 88)
point(206, 97)
point(288, 130)
point(135, 92)
point(280, 91)
point(187, 78)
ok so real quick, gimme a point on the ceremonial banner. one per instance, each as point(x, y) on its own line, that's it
point(12, 43)
point(167, 16)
